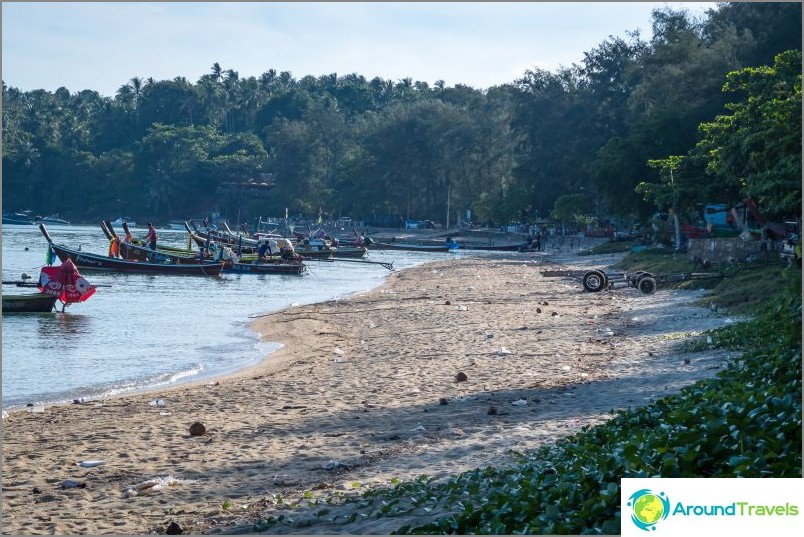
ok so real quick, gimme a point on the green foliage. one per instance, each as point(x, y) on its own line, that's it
point(737, 144)
point(571, 207)
point(734, 149)
point(364, 148)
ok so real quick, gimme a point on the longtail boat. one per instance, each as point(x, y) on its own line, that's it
point(247, 248)
point(30, 303)
point(136, 251)
point(208, 238)
point(412, 247)
point(501, 248)
point(162, 248)
point(294, 268)
point(101, 263)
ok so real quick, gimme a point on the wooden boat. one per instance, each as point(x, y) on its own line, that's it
point(96, 262)
point(203, 239)
point(412, 247)
point(136, 251)
point(162, 248)
point(30, 303)
point(501, 248)
point(350, 251)
point(294, 268)
point(132, 252)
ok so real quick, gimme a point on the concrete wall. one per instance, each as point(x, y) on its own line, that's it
point(728, 250)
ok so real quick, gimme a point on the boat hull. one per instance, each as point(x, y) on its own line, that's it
point(501, 248)
point(264, 268)
point(98, 263)
point(409, 247)
point(30, 303)
point(132, 252)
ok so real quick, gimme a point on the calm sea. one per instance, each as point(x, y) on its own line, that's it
point(144, 331)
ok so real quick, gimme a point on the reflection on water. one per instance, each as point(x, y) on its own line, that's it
point(65, 327)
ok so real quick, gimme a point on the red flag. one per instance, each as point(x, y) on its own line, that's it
point(65, 282)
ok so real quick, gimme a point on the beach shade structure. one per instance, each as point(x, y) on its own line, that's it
point(65, 283)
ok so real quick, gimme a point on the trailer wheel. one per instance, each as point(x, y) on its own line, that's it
point(647, 284)
point(594, 281)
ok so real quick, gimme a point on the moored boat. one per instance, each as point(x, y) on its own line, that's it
point(501, 247)
point(29, 303)
point(294, 268)
point(97, 262)
point(413, 247)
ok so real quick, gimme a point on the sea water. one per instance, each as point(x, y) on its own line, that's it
point(149, 331)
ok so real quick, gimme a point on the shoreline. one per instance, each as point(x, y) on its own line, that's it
point(363, 391)
point(261, 352)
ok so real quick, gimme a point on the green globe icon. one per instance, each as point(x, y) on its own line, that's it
point(648, 509)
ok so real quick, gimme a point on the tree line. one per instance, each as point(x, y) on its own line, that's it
point(707, 110)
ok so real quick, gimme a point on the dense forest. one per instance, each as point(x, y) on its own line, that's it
point(707, 111)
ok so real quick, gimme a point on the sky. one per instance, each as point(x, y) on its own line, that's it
point(101, 46)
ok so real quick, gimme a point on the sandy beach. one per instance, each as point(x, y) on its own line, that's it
point(363, 391)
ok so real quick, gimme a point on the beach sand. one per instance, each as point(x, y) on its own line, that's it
point(363, 391)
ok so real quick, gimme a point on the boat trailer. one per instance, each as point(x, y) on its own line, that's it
point(597, 280)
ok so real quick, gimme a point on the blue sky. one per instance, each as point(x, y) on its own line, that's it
point(101, 46)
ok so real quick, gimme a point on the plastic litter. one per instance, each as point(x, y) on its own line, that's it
point(90, 464)
point(520, 402)
point(5, 414)
point(338, 350)
point(36, 409)
point(155, 485)
point(157, 402)
point(503, 351)
point(334, 465)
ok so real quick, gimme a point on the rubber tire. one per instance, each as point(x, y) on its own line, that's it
point(647, 285)
point(594, 281)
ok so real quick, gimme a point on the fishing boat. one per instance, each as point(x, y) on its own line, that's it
point(501, 248)
point(134, 252)
point(101, 263)
point(295, 268)
point(410, 247)
point(110, 233)
point(29, 303)
point(204, 239)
